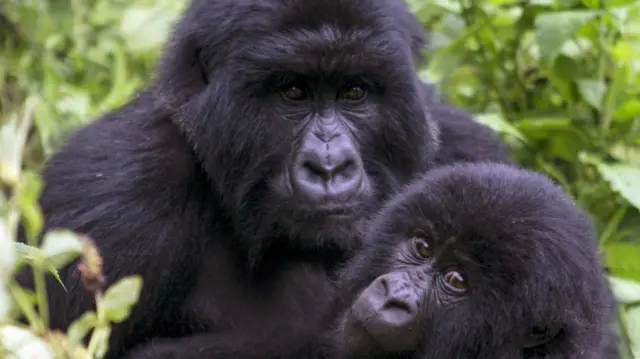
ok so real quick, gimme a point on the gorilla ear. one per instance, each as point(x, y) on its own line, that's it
point(539, 336)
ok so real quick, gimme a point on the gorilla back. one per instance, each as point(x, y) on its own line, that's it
point(237, 182)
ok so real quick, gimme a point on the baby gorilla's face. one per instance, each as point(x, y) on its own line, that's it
point(478, 261)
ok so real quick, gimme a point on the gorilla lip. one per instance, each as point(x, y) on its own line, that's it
point(336, 210)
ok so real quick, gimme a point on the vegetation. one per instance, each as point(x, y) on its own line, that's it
point(559, 79)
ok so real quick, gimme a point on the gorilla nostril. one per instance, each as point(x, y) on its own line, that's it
point(316, 169)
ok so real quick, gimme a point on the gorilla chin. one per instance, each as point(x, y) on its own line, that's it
point(321, 208)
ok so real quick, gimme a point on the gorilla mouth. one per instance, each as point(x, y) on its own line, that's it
point(336, 210)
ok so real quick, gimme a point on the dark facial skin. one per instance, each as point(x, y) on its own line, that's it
point(476, 261)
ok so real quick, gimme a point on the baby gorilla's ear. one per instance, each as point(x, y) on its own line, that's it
point(539, 336)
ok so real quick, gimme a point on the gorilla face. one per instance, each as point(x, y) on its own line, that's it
point(310, 117)
point(477, 261)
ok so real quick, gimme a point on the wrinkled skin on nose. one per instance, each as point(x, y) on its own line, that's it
point(329, 166)
point(388, 312)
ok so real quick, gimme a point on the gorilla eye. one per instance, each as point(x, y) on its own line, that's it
point(455, 281)
point(294, 93)
point(354, 93)
point(422, 247)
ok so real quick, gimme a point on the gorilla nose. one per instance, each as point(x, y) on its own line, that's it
point(397, 305)
point(388, 312)
point(327, 170)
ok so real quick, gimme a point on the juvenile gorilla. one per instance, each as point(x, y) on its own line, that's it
point(238, 181)
point(480, 261)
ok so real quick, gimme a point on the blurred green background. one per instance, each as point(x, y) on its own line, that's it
point(558, 79)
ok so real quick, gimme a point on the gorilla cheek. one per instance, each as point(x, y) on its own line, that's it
point(387, 311)
point(328, 166)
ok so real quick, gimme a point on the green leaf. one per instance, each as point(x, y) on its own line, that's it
point(561, 76)
point(592, 91)
point(624, 179)
point(120, 298)
point(554, 29)
point(625, 291)
point(25, 300)
point(628, 110)
point(499, 124)
point(33, 255)
point(633, 329)
point(538, 127)
point(622, 259)
point(29, 191)
point(101, 336)
point(81, 326)
point(60, 247)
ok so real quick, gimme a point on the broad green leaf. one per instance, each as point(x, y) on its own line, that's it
point(564, 70)
point(60, 247)
point(553, 29)
point(499, 124)
point(618, 90)
point(539, 127)
point(628, 110)
point(622, 259)
point(592, 91)
point(29, 191)
point(626, 291)
point(26, 252)
point(628, 154)
point(20, 343)
point(120, 298)
point(81, 326)
point(633, 329)
point(624, 179)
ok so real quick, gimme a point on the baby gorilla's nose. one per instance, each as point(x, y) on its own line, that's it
point(388, 311)
point(398, 312)
point(328, 169)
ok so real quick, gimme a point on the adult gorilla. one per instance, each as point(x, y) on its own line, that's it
point(236, 183)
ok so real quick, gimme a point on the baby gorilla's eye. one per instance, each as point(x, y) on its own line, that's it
point(354, 93)
point(422, 247)
point(294, 93)
point(455, 281)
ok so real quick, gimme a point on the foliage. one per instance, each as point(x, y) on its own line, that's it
point(559, 79)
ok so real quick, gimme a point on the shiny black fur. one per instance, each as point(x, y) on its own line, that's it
point(178, 185)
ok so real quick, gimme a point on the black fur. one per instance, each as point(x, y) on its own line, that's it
point(527, 253)
point(185, 184)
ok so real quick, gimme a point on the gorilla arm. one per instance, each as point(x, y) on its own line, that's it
point(115, 198)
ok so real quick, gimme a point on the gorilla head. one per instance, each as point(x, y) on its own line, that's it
point(476, 261)
point(302, 112)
